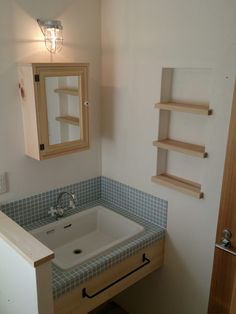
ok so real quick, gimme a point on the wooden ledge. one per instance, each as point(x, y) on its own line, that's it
point(181, 147)
point(189, 108)
point(188, 187)
point(67, 91)
point(69, 120)
point(23, 242)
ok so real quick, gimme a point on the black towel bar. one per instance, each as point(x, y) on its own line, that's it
point(145, 260)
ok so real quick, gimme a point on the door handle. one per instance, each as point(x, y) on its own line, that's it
point(226, 249)
point(225, 244)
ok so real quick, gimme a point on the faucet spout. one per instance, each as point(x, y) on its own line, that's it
point(72, 199)
point(58, 210)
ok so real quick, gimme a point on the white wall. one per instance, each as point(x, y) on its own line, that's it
point(139, 38)
point(21, 40)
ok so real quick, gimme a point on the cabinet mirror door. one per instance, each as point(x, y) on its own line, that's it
point(64, 109)
point(63, 98)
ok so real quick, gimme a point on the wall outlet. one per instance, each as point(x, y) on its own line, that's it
point(3, 183)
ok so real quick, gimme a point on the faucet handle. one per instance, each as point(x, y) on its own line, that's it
point(60, 211)
point(52, 211)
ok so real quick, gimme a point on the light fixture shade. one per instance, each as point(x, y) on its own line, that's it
point(52, 31)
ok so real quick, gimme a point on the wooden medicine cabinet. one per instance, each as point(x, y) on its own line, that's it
point(54, 100)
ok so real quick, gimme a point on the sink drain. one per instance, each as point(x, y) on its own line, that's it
point(77, 251)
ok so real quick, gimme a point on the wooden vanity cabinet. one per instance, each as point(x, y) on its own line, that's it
point(55, 111)
point(112, 281)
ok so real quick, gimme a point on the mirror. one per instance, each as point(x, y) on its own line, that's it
point(63, 99)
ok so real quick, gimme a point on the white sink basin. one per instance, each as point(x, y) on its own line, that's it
point(79, 237)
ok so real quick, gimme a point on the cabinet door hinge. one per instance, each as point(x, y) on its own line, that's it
point(36, 78)
point(41, 146)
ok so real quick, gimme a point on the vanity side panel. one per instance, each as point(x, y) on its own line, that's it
point(18, 293)
point(74, 303)
point(25, 271)
point(27, 96)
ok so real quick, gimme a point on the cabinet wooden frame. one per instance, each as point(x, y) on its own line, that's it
point(73, 302)
point(34, 108)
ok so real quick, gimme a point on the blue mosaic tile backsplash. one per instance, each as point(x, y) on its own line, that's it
point(34, 208)
point(142, 204)
point(31, 209)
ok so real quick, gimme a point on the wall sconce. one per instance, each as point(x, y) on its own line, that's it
point(52, 31)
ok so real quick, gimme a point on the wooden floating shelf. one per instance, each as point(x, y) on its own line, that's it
point(189, 108)
point(181, 147)
point(179, 184)
point(68, 119)
point(67, 91)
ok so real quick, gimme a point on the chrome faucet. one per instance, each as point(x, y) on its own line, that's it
point(59, 210)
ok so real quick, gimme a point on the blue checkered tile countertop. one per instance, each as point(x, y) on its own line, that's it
point(143, 208)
